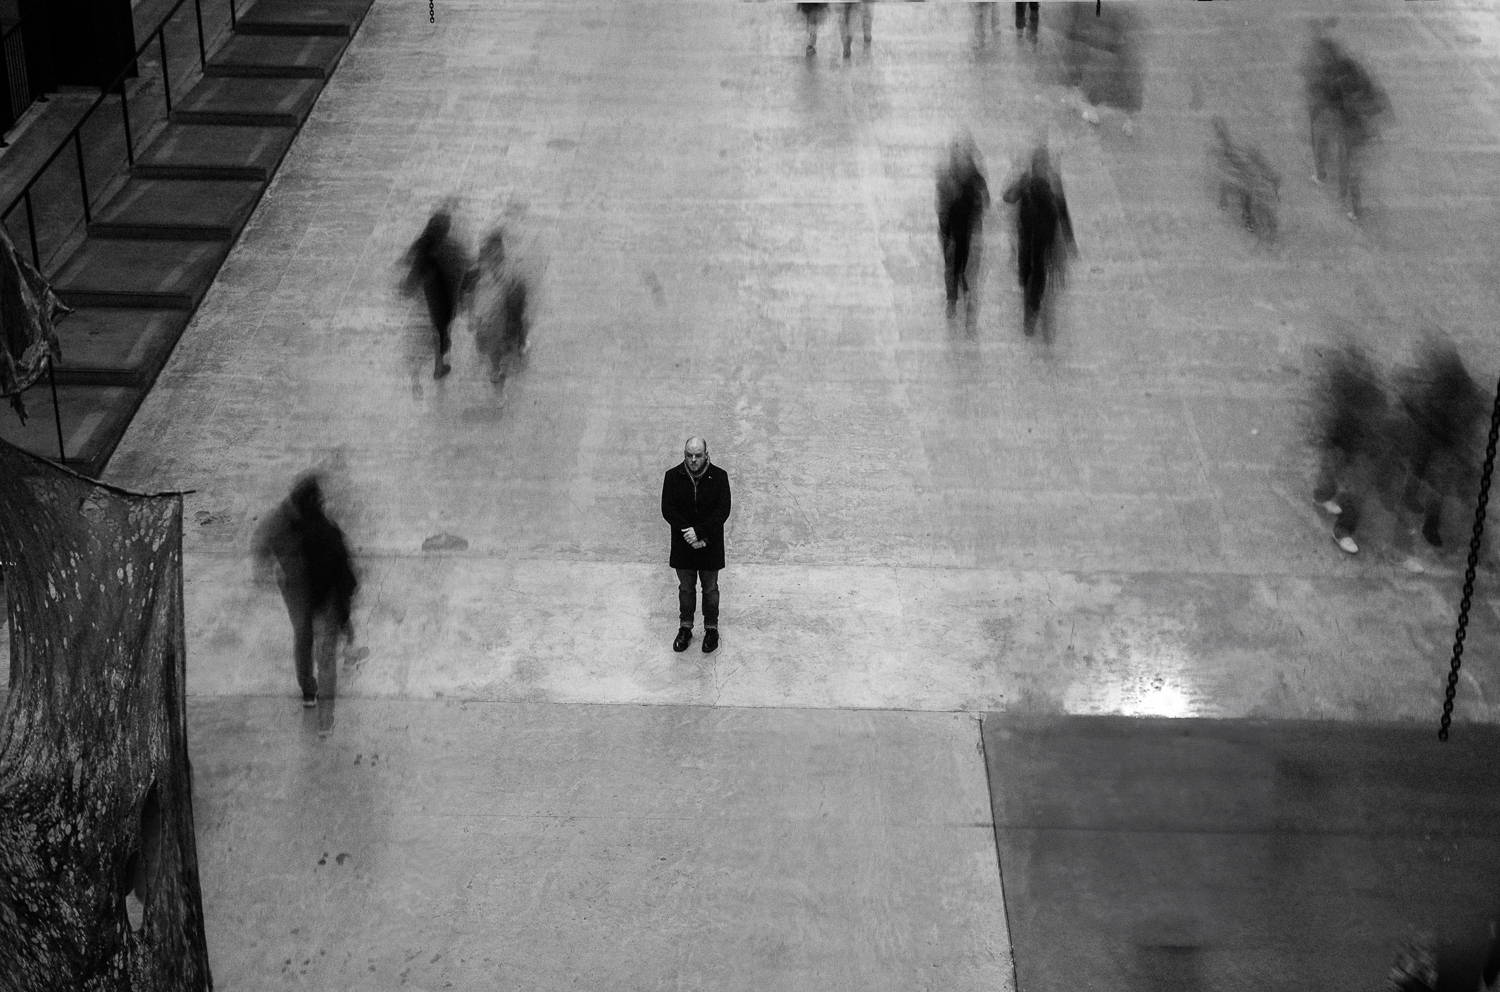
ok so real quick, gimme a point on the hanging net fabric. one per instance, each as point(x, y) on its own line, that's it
point(28, 311)
point(98, 861)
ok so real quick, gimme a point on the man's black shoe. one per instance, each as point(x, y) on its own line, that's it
point(684, 638)
point(710, 640)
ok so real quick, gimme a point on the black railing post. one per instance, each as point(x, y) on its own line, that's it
point(166, 84)
point(202, 51)
point(62, 455)
point(129, 143)
point(36, 256)
point(233, 20)
point(83, 179)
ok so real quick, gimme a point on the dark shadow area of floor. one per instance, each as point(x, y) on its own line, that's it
point(1201, 854)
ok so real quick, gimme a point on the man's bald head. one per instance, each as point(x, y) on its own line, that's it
point(695, 455)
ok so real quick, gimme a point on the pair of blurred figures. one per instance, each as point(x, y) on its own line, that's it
point(1412, 444)
point(1345, 108)
point(813, 14)
point(494, 290)
point(1043, 228)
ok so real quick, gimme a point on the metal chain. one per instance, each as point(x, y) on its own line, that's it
point(431, 11)
point(1463, 606)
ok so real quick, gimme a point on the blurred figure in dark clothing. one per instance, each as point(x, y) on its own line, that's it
point(846, 21)
point(812, 14)
point(438, 265)
point(963, 196)
point(1022, 20)
point(1350, 427)
point(1041, 220)
point(1344, 108)
point(1246, 180)
point(317, 582)
point(501, 315)
point(1446, 411)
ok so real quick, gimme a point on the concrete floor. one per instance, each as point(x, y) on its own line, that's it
point(739, 242)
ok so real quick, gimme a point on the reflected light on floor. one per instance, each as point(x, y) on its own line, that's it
point(1159, 688)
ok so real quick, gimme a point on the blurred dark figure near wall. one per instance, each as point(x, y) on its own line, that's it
point(1446, 411)
point(1345, 109)
point(1246, 180)
point(963, 196)
point(1351, 422)
point(317, 582)
point(846, 21)
point(501, 313)
point(812, 15)
point(438, 266)
point(1041, 222)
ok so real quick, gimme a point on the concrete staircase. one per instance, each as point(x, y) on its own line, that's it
point(153, 248)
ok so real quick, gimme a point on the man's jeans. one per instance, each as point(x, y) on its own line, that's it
point(315, 637)
point(687, 596)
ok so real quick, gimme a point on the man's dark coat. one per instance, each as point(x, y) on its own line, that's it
point(702, 505)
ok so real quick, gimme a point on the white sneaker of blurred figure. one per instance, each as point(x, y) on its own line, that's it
point(1413, 566)
point(1347, 543)
point(1331, 507)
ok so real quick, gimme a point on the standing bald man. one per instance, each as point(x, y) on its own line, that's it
point(695, 501)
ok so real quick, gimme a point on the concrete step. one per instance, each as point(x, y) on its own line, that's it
point(94, 418)
point(332, 18)
point(277, 56)
point(117, 346)
point(177, 209)
point(114, 272)
point(214, 151)
point(262, 102)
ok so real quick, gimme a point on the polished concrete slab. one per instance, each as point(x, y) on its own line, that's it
point(1192, 854)
point(484, 845)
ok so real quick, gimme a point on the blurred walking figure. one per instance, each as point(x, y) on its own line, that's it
point(1344, 108)
point(501, 315)
point(317, 582)
point(846, 21)
point(1028, 23)
point(1041, 221)
point(1350, 428)
point(963, 196)
point(438, 266)
point(813, 14)
point(1446, 411)
point(1246, 180)
point(986, 21)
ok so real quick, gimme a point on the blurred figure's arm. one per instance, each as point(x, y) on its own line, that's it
point(263, 547)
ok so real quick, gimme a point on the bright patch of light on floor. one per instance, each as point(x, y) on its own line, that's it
point(1129, 698)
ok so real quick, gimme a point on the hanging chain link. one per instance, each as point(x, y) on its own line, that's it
point(1474, 542)
point(431, 11)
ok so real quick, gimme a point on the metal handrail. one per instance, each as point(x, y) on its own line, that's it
point(73, 135)
point(21, 73)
